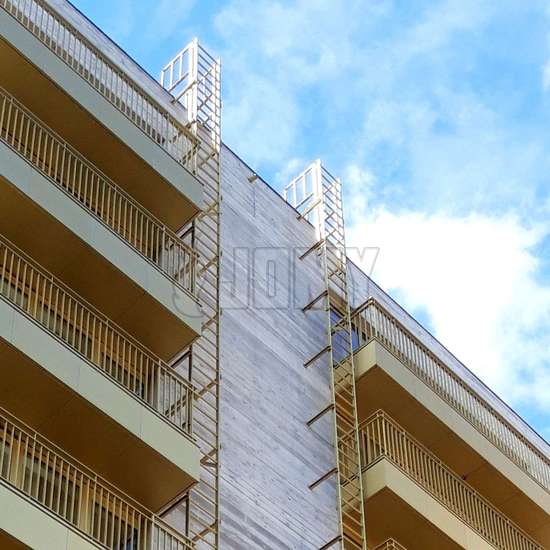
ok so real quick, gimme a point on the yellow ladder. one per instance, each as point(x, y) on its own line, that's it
point(193, 78)
point(317, 196)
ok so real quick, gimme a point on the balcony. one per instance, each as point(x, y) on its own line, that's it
point(397, 372)
point(427, 498)
point(93, 103)
point(48, 498)
point(147, 270)
point(96, 193)
point(85, 383)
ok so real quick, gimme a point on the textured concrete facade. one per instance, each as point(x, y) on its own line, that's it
point(269, 456)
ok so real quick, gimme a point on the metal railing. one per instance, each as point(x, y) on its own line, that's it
point(389, 544)
point(95, 192)
point(384, 438)
point(48, 476)
point(66, 316)
point(372, 321)
point(58, 35)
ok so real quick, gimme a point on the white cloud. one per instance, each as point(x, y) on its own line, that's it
point(260, 119)
point(459, 155)
point(395, 89)
point(359, 184)
point(272, 53)
point(476, 278)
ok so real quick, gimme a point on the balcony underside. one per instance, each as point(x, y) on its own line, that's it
point(399, 508)
point(90, 416)
point(70, 105)
point(7, 542)
point(43, 221)
point(383, 382)
point(24, 525)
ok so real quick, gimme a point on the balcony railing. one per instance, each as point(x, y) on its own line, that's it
point(105, 77)
point(372, 321)
point(390, 544)
point(50, 478)
point(95, 192)
point(384, 438)
point(67, 317)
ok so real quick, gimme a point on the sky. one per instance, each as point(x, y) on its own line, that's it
point(436, 116)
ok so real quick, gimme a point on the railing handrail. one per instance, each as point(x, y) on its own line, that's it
point(26, 13)
point(156, 362)
point(108, 490)
point(94, 177)
point(541, 476)
point(404, 460)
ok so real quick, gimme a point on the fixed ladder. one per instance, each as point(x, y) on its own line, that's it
point(193, 78)
point(317, 196)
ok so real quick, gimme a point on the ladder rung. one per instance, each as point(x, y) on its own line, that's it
point(309, 209)
point(324, 477)
point(317, 245)
point(320, 414)
point(357, 542)
point(304, 200)
point(346, 417)
point(341, 324)
point(312, 360)
point(315, 300)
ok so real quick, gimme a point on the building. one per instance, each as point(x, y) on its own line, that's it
point(180, 371)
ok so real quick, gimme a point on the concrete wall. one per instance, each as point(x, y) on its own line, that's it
point(269, 456)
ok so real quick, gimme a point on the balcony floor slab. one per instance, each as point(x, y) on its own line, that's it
point(89, 415)
point(383, 382)
point(26, 525)
point(46, 223)
point(397, 507)
point(72, 107)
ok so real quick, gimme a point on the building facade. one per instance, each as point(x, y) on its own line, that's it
point(189, 359)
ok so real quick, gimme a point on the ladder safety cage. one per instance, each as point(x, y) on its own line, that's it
point(317, 196)
point(193, 78)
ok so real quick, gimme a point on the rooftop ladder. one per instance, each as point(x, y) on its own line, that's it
point(317, 196)
point(193, 78)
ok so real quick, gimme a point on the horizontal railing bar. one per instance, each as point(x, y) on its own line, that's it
point(87, 332)
point(38, 144)
point(51, 478)
point(371, 321)
point(110, 80)
point(382, 437)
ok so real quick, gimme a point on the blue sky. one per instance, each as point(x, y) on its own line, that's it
point(436, 115)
